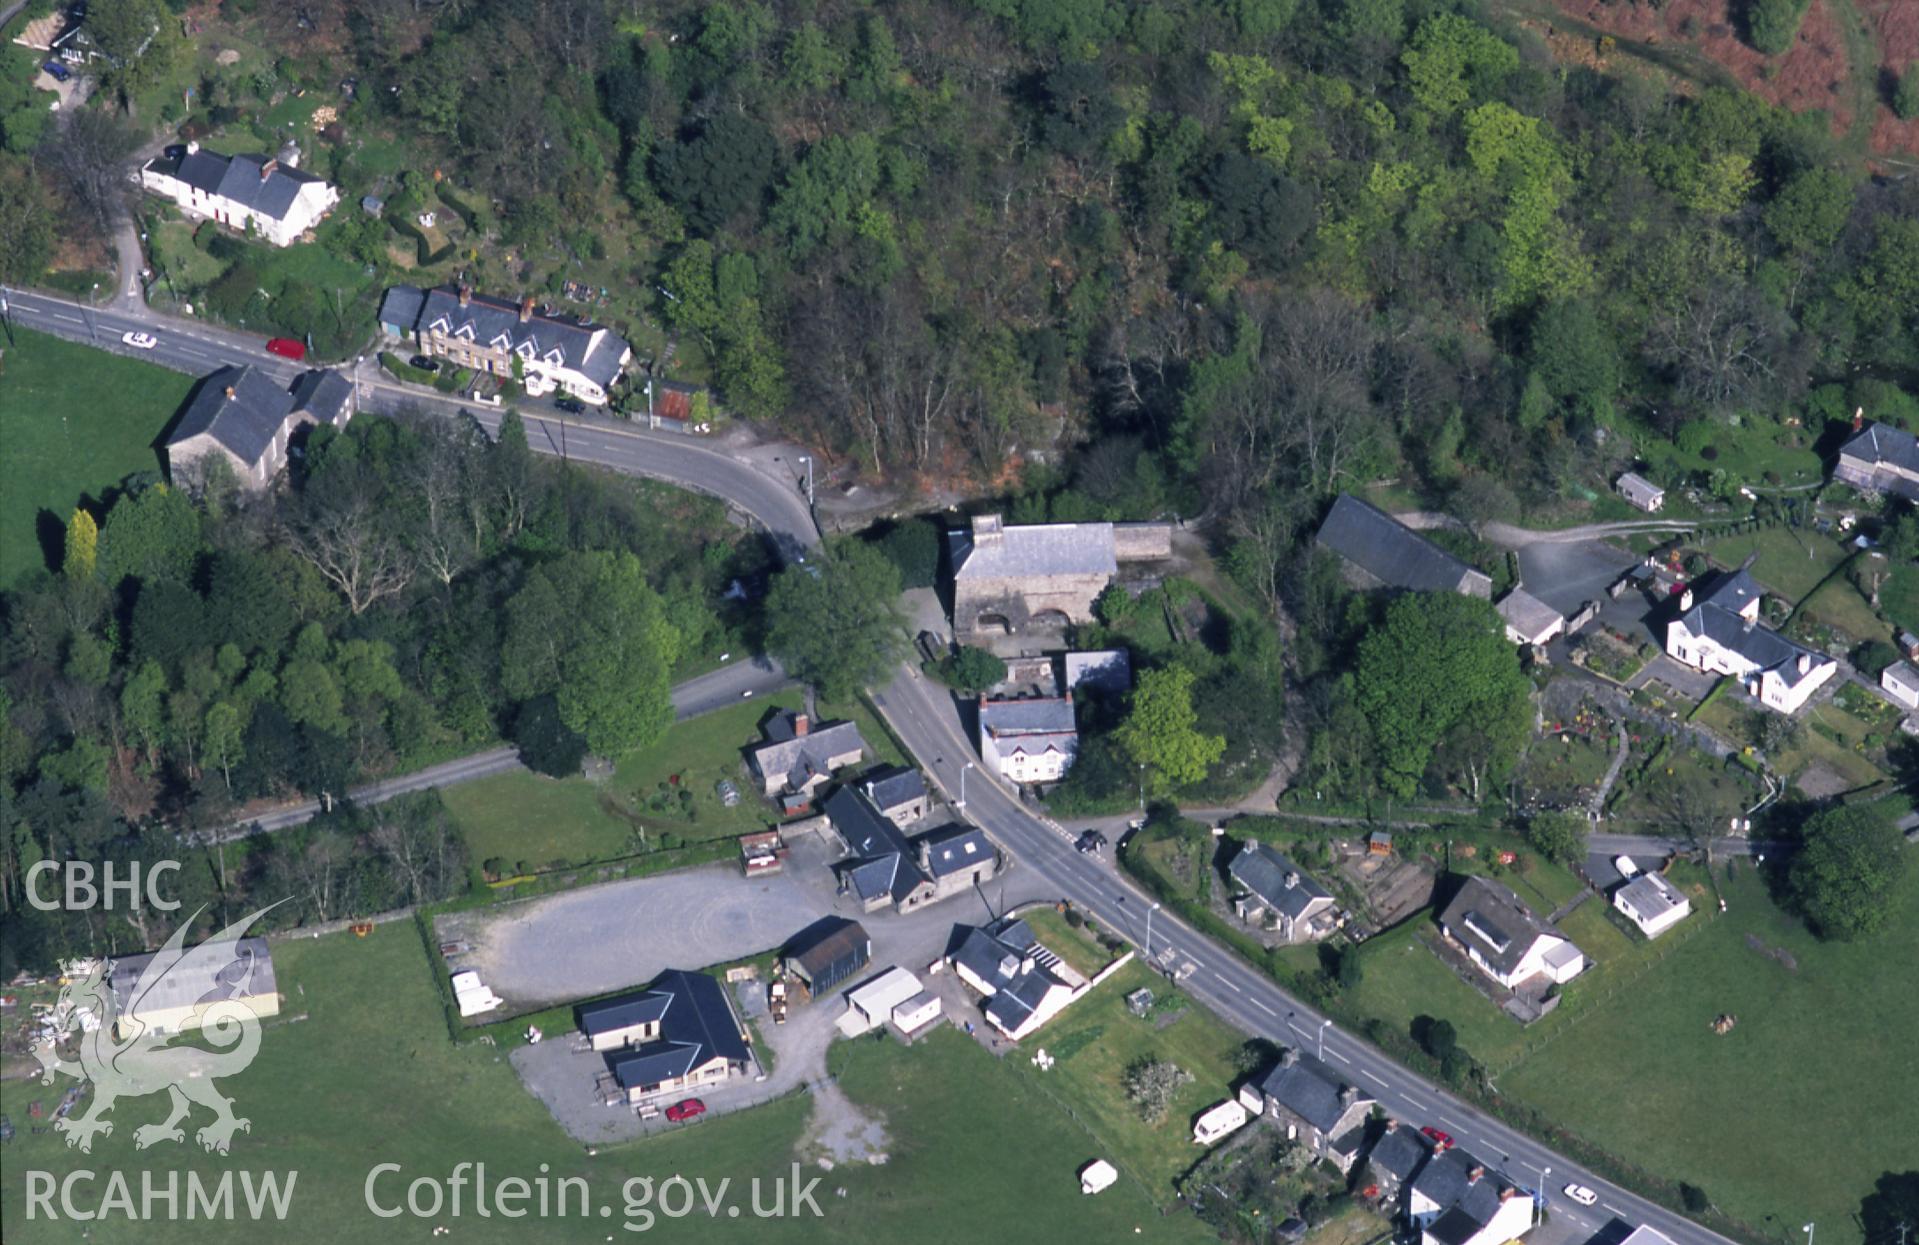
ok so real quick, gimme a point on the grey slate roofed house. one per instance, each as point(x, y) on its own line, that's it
point(243, 414)
point(798, 755)
point(1719, 630)
point(1881, 459)
point(1023, 983)
point(691, 1035)
point(503, 337)
point(1028, 741)
point(1298, 905)
point(828, 952)
point(1009, 578)
point(1315, 1105)
point(954, 850)
point(899, 793)
point(880, 866)
point(1457, 1200)
point(249, 192)
point(1396, 1157)
point(1387, 553)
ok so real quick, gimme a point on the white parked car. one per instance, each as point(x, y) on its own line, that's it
point(1581, 1194)
point(140, 341)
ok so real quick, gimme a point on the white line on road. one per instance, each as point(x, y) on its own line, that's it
point(1614, 1209)
point(1262, 1007)
point(1229, 985)
point(1336, 1055)
point(68, 319)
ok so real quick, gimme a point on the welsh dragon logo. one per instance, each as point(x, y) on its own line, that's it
point(125, 1057)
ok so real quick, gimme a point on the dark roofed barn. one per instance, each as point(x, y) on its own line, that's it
point(1382, 552)
point(826, 953)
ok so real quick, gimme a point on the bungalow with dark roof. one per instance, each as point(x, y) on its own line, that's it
point(1023, 984)
point(1316, 1106)
point(677, 1034)
point(1503, 938)
point(243, 415)
point(259, 194)
point(799, 755)
point(1279, 895)
point(545, 350)
point(1381, 552)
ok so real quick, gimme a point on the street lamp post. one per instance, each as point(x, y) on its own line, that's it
point(1149, 929)
point(93, 327)
point(963, 769)
point(1322, 1037)
point(1809, 1228)
point(1142, 788)
point(808, 460)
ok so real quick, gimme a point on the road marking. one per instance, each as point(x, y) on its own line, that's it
point(1614, 1209)
point(1336, 1055)
point(68, 319)
point(1229, 985)
point(1262, 1007)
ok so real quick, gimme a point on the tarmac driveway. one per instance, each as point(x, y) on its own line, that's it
point(1567, 574)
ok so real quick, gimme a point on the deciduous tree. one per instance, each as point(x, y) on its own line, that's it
point(1845, 876)
point(835, 620)
point(1161, 733)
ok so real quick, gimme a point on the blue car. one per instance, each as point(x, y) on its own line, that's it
point(57, 71)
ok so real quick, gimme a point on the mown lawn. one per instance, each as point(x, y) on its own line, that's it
point(530, 818)
point(1097, 1039)
point(74, 422)
point(1074, 946)
point(1403, 979)
point(1795, 1112)
point(367, 1075)
point(1791, 562)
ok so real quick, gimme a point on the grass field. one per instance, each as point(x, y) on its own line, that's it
point(528, 817)
point(1079, 951)
point(1796, 1111)
point(1097, 1039)
point(367, 1076)
point(1791, 562)
point(74, 422)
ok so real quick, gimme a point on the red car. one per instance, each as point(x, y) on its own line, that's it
point(1442, 1141)
point(680, 1112)
point(286, 348)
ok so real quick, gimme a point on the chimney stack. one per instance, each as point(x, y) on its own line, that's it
point(466, 295)
point(1858, 418)
point(1506, 1194)
point(801, 724)
point(1292, 880)
point(230, 394)
point(1685, 600)
point(1805, 663)
point(266, 170)
point(1472, 1177)
point(1348, 1095)
point(988, 531)
point(526, 309)
point(1392, 1125)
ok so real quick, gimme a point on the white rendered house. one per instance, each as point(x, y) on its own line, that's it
point(1720, 632)
point(261, 194)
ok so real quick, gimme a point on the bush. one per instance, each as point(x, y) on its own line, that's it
point(547, 745)
point(1772, 25)
point(1905, 96)
point(974, 669)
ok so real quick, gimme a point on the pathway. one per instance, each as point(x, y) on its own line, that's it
point(1598, 804)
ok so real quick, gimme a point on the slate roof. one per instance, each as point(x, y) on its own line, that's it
point(1716, 615)
point(1390, 551)
point(996, 953)
point(593, 350)
point(1400, 1152)
point(829, 943)
point(323, 394)
point(956, 848)
point(1447, 1181)
point(696, 1024)
point(621, 1012)
point(879, 861)
point(1901, 674)
point(893, 786)
point(1263, 871)
point(401, 305)
point(1006, 719)
point(246, 180)
point(1527, 614)
point(248, 964)
point(1309, 1088)
point(800, 758)
point(245, 423)
point(1495, 922)
point(1034, 550)
point(1651, 896)
point(1878, 444)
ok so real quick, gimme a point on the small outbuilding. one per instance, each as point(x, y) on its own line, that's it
point(916, 1013)
point(1528, 619)
point(1900, 681)
point(1652, 903)
point(872, 1004)
point(827, 952)
point(1641, 492)
point(1097, 1177)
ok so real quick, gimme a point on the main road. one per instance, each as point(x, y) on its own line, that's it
point(928, 722)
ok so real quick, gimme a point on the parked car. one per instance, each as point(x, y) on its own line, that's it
point(776, 1000)
point(1581, 1194)
point(1440, 1140)
point(423, 363)
point(175, 151)
point(57, 71)
point(571, 406)
point(1091, 841)
point(286, 348)
point(686, 1109)
point(140, 341)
